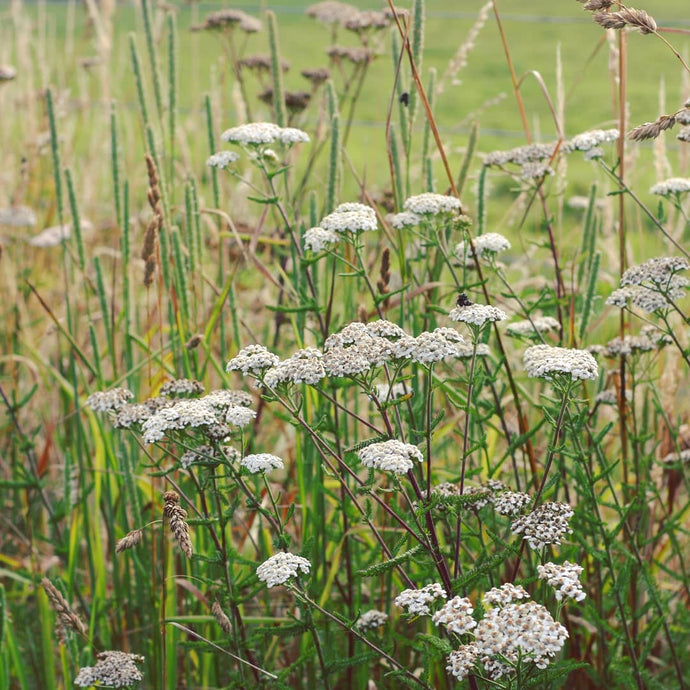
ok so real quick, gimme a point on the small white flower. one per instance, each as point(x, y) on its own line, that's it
point(252, 359)
point(257, 133)
point(674, 185)
point(351, 217)
point(485, 245)
point(370, 620)
point(544, 361)
point(504, 595)
point(531, 329)
point(405, 219)
point(461, 661)
point(262, 462)
point(318, 239)
point(416, 601)
point(564, 579)
point(280, 568)
point(477, 314)
point(105, 401)
point(222, 159)
point(456, 616)
point(429, 203)
point(390, 456)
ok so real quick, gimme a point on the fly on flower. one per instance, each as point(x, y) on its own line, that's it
point(463, 300)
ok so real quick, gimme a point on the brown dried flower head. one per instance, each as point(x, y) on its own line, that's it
point(317, 75)
point(177, 519)
point(68, 619)
point(221, 617)
point(129, 541)
point(627, 16)
point(651, 130)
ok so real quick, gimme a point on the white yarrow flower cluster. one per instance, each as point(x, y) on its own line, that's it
point(649, 299)
point(564, 578)
point(262, 462)
point(659, 271)
point(507, 593)
point(350, 217)
point(544, 361)
point(456, 616)
point(510, 502)
point(462, 661)
point(587, 141)
point(222, 159)
point(304, 366)
point(390, 456)
point(404, 219)
point(477, 314)
point(370, 620)
point(433, 204)
point(416, 601)
point(259, 133)
point(531, 329)
point(318, 239)
point(280, 568)
point(252, 359)
point(113, 670)
point(546, 524)
point(674, 185)
point(106, 401)
point(485, 246)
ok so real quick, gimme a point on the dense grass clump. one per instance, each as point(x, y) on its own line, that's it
point(296, 401)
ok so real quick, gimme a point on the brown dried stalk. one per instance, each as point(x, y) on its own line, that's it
point(129, 541)
point(67, 618)
point(385, 273)
point(221, 617)
point(177, 518)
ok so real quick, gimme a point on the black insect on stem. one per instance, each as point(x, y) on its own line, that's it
point(405, 98)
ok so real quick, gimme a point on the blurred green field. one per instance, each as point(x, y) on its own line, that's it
point(543, 36)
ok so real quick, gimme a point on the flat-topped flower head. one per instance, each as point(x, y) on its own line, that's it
point(262, 462)
point(533, 328)
point(351, 217)
point(252, 359)
point(404, 219)
point(390, 456)
point(222, 159)
point(181, 387)
point(319, 239)
point(564, 578)
point(486, 246)
point(113, 670)
point(416, 601)
point(456, 616)
point(507, 593)
point(544, 361)
point(432, 204)
point(546, 524)
point(434, 346)
point(674, 185)
point(476, 314)
point(462, 661)
point(259, 133)
point(517, 632)
point(658, 271)
point(370, 620)
point(587, 141)
point(649, 298)
point(510, 502)
point(304, 366)
point(106, 401)
point(278, 569)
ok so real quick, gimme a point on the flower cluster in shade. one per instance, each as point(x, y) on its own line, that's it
point(533, 328)
point(431, 204)
point(113, 670)
point(651, 285)
point(262, 134)
point(370, 620)
point(390, 456)
point(546, 524)
point(355, 350)
point(545, 361)
point(278, 569)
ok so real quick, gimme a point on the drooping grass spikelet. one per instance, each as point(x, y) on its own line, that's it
point(129, 541)
point(68, 619)
point(651, 130)
point(627, 16)
point(177, 519)
point(221, 617)
point(276, 70)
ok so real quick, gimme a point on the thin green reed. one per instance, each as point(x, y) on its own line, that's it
point(136, 67)
point(418, 20)
point(106, 314)
point(469, 155)
point(55, 152)
point(334, 161)
point(589, 296)
point(126, 248)
point(76, 223)
point(115, 164)
point(481, 201)
point(153, 57)
point(196, 221)
point(402, 88)
point(212, 149)
point(276, 70)
point(398, 177)
point(588, 237)
point(172, 92)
